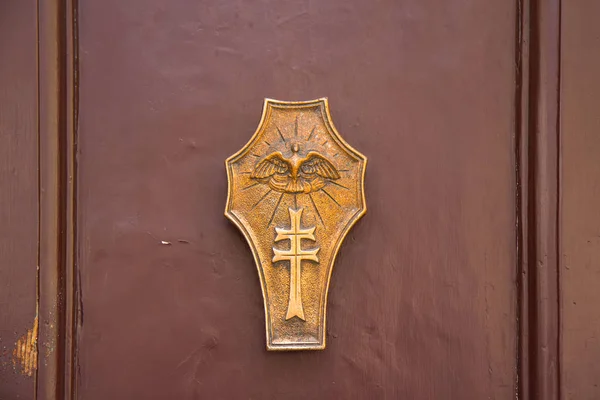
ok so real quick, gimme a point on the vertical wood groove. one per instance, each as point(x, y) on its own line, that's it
point(73, 304)
point(521, 172)
point(57, 295)
point(51, 284)
point(537, 155)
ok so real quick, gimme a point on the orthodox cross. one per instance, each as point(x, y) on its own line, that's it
point(295, 255)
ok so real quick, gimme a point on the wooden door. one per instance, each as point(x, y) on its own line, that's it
point(448, 288)
point(422, 303)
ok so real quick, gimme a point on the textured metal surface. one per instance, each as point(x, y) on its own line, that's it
point(296, 181)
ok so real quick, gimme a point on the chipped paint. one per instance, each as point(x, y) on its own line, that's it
point(25, 352)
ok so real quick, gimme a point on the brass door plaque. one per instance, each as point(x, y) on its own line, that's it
point(295, 190)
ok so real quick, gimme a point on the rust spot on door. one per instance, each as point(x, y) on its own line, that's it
point(25, 352)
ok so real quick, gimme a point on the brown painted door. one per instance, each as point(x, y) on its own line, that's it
point(471, 276)
point(422, 303)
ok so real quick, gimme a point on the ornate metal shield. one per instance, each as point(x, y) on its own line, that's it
point(295, 190)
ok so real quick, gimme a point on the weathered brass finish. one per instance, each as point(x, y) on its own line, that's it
point(295, 190)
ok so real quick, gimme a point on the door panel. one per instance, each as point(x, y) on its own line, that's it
point(18, 198)
point(423, 297)
point(580, 220)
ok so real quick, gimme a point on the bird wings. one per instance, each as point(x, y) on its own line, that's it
point(271, 165)
point(317, 164)
point(282, 176)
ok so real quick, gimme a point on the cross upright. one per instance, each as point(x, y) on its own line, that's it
point(295, 255)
